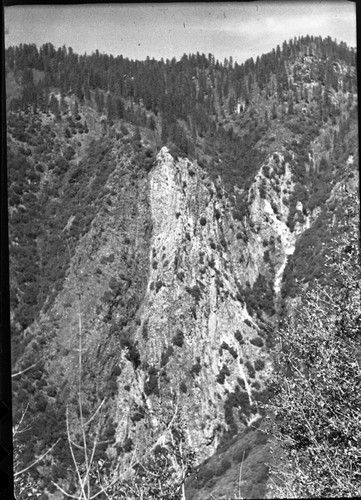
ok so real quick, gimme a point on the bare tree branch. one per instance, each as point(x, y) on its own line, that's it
point(23, 371)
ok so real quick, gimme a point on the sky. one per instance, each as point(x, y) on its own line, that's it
point(165, 30)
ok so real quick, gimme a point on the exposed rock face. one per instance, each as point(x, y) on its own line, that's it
point(192, 294)
point(156, 299)
point(158, 286)
point(157, 280)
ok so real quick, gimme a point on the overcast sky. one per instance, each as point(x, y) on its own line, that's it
point(138, 30)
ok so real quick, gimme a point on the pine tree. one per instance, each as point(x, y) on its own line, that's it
point(87, 89)
point(97, 100)
point(119, 108)
point(76, 109)
point(151, 123)
point(110, 108)
point(63, 105)
point(231, 104)
point(137, 137)
point(54, 106)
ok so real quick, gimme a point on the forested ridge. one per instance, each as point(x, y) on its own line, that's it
point(72, 120)
point(226, 115)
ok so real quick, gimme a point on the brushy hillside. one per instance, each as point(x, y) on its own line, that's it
point(165, 215)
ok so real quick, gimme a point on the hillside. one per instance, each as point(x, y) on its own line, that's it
point(163, 218)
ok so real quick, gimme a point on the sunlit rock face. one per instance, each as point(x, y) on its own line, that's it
point(194, 328)
point(192, 294)
point(158, 283)
point(155, 297)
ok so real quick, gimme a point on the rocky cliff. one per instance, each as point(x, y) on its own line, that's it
point(147, 280)
point(157, 283)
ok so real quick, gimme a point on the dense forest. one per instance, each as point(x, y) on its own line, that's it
point(219, 113)
point(70, 120)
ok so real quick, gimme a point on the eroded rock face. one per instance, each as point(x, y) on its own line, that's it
point(158, 284)
point(192, 294)
point(197, 323)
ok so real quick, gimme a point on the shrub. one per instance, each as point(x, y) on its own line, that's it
point(203, 221)
point(133, 354)
point(128, 445)
point(237, 399)
point(274, 207)
point(259, 364)
point(196, 368)
point(238, 335)
point(138, 414)
point(251, 371)
point(263, 396)
point(257, 341)
point(116, 371)
point(51, 391)
point(178, 338)
point(183, 387)
point(180, 275)
point(195, 292)
point(262, 192)
point(113, 283)
point(241, 382)
point(223, 242)
point(223, 374)
point(231, 350)
point(109, 431)
point(166, 355)
point(266, 170)
point(158, 285)
point(145, 330)
point(124, 129)
point(69, 153)
point(151, 384)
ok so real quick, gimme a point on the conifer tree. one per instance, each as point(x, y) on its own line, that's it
point(110, 107)
point(119, 108)
point(54, 106)
point(76, 109)
point(151, 123)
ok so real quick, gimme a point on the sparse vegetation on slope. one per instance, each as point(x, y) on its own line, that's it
point(175, 251)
